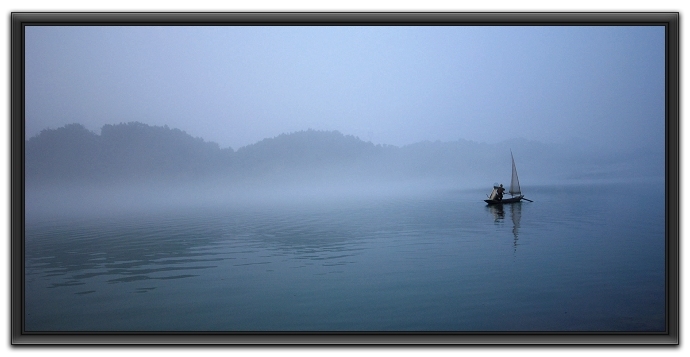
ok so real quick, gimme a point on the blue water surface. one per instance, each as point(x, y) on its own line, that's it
point(579, 258)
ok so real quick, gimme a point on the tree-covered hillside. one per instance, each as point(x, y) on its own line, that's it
point(131, 151)
point(136, 152)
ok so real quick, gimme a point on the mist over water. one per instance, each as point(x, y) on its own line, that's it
point(61, 201)
point(86, 201)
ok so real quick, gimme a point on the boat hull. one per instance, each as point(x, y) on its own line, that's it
point(505, 200)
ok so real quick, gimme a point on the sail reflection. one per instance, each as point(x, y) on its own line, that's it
point(515, 216)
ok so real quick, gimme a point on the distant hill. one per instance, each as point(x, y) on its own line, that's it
point(136, 152)
point(131, 151)
point(308, 150)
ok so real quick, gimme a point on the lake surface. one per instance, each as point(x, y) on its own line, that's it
point(578, 258)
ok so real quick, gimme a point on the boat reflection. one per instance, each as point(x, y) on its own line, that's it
point(498, 212)
point(515, 215)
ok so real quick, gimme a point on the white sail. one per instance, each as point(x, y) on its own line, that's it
point(514, 182)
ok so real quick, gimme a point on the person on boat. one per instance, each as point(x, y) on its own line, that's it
point(499, 192)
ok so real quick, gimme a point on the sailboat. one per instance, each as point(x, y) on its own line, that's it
point(515, 193)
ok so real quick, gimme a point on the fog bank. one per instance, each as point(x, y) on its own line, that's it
point(136, 167)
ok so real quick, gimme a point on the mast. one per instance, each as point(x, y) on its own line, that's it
point(514, 182)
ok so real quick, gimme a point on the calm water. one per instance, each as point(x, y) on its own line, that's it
point(580, 258)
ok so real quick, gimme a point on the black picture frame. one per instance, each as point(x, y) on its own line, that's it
point(669, 20)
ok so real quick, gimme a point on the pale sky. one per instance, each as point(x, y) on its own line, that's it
point(235, 85)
